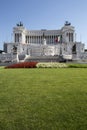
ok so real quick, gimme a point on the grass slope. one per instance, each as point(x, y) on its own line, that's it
point(43, 99)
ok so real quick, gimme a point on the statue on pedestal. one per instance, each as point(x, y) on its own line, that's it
point(14, 49)
point(44, 40)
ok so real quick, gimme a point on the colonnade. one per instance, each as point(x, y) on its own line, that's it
point(18, 37)
point(38, 39)
point(70, 36)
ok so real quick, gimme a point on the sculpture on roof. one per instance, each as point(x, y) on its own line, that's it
point(20, 24)
point(67, 23)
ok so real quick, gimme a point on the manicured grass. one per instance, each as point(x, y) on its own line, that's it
point(43, 99)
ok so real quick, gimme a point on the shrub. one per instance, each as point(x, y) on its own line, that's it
point(23, 65)
point(51, 65)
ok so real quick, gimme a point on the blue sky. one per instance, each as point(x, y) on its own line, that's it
point(42, 14)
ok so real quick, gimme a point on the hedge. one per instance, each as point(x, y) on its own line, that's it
point(23, 65)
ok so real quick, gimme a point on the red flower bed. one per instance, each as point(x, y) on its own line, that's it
point(23, 65)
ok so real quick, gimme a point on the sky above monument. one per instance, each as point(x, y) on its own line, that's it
point(42, 14)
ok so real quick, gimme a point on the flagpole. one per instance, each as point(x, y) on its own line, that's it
point(75, 37)
point(60, 47)
point(80, 38)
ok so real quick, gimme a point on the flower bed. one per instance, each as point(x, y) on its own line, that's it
point(45, 65)
point(51, 65)
point(23, 65)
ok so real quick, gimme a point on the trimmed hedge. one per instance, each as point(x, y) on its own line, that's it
point(77, 65)
point(23, 65)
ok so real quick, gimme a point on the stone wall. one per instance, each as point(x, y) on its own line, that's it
point(6, 58)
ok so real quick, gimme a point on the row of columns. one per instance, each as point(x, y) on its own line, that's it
point(70, 37)
point(36, 39)
point(39, 39)
point(18, 37)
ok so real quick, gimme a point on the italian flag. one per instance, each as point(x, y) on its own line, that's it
point(57, 39)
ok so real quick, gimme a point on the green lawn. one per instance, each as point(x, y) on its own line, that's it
point(43, 99)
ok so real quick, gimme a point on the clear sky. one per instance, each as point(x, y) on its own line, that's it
point(42, 14)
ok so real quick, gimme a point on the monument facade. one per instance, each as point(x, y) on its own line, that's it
point(38, 43)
